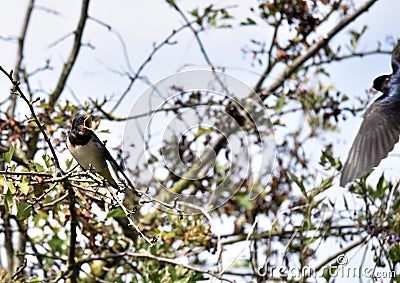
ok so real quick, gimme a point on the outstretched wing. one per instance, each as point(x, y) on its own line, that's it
point(378, 134)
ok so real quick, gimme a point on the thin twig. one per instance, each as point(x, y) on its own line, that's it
point(394, 188)
point(20, 54)
point(19, 270)
point(340, 252)
point(195, 33)
point(66, 71)
point(323, 41)
point(156, 48)
point(128, 216)
point(71, 264)
point(18, 91)
point(159, 259)
point(248, 237)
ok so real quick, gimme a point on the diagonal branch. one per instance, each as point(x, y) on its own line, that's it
point(195, 33)
point(156, 48)
point(323, 41)
point(17, 91)
point(20, 54)
point(72, 57)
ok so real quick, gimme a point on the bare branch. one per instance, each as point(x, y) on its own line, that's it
point(66, 71)
point(195, 33)
point(20, 54)
point(18, 92)
point(157, 47)
point(315, 48)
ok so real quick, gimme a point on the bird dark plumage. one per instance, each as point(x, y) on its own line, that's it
point(381, 84)
point(87, 148)
point(380, 129)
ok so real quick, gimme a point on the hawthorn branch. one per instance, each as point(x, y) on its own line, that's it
point(18, 91)
point(349, 56)
point(336, 231)
point(17, 157)
point(159, 259)
point(323, 41)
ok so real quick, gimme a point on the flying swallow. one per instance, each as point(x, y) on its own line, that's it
point(380, 129)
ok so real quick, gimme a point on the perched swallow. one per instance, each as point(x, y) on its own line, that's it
point(380, 129)
point(87, 148)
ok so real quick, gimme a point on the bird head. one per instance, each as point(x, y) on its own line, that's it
point(82, 124)
point(381, 83)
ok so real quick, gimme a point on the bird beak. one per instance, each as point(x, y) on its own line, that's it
point(87, 124)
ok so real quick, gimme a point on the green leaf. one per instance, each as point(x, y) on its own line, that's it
point(299, 183)
point(116, 213)
point(382, 187)
point(38, 167)
point(56, 243)
point(396, 205)
point(195, 13)
point(394, 254)
point(4, 276)
point(9, 154)
point(244, 201)
point(248, 22)
point(330, 271)
point(24, 210)
point(14, 207)
point(8, 200)
point(8, 186)
point(356, 36)
point(47, 160)
point(201, 131)
point(69, 163)
point(24, 186)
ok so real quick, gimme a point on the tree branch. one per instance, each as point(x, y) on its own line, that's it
point(156, 48)
point(18, 91)
point(290, 69)
point(66, 71)
point(71, 264)
point(159, 259)
point(20, 54)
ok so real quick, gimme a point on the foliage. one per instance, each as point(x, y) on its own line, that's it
point(61, 223)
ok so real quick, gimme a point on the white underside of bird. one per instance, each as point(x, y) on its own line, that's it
point(90, 154)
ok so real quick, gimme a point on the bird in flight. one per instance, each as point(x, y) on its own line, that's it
point(88, 150)
point(380, 129)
